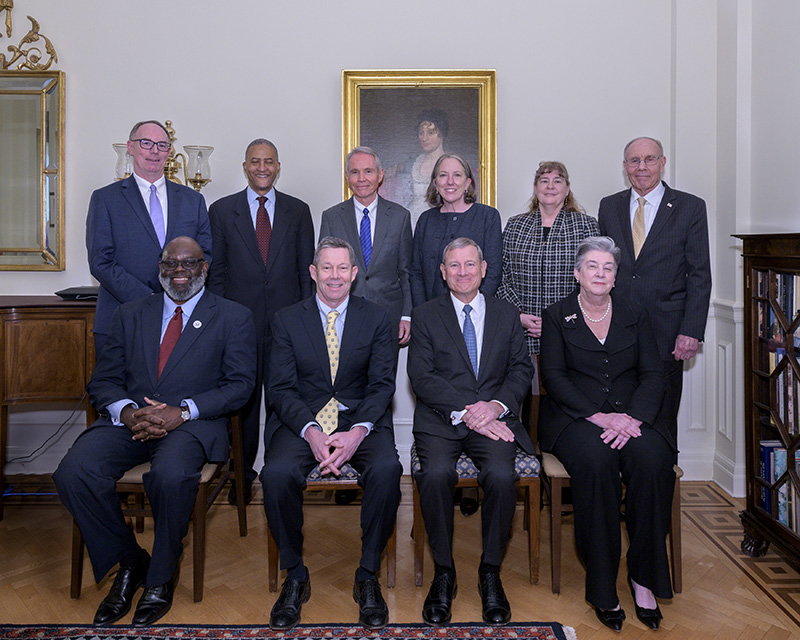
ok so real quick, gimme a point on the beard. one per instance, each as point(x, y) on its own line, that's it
point(195, 284)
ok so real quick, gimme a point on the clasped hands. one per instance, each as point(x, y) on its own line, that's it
point(483, 417)
point(334, 450)
point(617, 428)
point(154, 421)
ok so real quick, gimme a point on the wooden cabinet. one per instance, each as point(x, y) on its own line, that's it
point(46, 355)
point(772, 393)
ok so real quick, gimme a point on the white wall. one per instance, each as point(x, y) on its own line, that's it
point(576, 80)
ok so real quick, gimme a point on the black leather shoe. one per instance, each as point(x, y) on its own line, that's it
point(496, 610)
point(372, 610)
point(344, 496)
point(468, 505)
point(154, 603)
point(612, 619)
point(120, 598)
point(648, 617)
point(248, 493)
point(436, 610)
point(286, 610)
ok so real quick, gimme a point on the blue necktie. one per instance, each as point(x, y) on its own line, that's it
point(366, 237)
point(470, 339)
point(157, 215)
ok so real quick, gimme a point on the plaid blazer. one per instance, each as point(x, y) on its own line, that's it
point(536, 273)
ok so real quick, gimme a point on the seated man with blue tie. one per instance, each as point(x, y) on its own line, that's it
point(331, 386)
point(173, 366)
point(470, 370)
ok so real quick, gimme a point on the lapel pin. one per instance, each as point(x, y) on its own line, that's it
point(669, 204)
point(197, 324)
point(571, 318)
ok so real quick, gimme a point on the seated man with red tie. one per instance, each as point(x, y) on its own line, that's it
point(173, 366)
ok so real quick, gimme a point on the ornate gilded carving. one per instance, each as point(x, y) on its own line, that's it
point(32, 56)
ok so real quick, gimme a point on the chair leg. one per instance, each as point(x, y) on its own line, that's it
point(418, 529)
point(238, 476)
point(199, 543)
point(532, 497)
point(138, 502)
point(675, 539)
point(272, 560)
point(76, 578)
point(556, 485)
point(391, 558)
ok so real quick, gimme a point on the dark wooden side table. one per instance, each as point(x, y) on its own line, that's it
point(46, 355)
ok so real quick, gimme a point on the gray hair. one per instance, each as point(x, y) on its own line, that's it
point(367, 150)
point(332, 242)
point(658, 142)
point(432, 195)
point(259, 142)
point(144, 122)
point(461, 243)
point(596, 243)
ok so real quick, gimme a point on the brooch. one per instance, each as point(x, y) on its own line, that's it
point(571, 318)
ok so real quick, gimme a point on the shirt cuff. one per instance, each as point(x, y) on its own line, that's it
point(367, 425)
point(406, 318)
point(192, 408)
point(115, 408)
point(306, 427)
point(457, 416)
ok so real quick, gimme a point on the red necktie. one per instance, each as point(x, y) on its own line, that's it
point(263, 228)
point(170, 339)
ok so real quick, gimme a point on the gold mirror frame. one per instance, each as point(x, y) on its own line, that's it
point(354, 82)
point(47, 252)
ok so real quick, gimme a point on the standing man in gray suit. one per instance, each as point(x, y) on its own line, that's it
point(665, 264)
point(380, 233)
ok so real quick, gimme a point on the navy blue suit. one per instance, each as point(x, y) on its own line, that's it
point(123, 247)
point(213, 363)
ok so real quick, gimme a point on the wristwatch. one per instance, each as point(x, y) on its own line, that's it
point(186, 415)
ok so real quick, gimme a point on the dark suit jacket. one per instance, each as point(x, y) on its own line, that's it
point(122, 243)
point(386, 281)
point(441, 373)
point(238, 272)
point(672, 275)
point(213, 363)
point(582, 376)
point(300, 376)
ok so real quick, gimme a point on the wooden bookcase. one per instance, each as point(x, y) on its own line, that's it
point(772, 393)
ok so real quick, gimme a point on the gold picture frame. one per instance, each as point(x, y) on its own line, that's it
point(382, 109)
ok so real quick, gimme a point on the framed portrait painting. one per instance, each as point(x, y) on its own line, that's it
point(410, 118)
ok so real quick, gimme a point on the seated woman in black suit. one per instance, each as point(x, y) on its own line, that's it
point(604, 381)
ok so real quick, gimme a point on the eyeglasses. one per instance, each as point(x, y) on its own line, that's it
point(146, 143)
point(189, 264)
point(650, 161)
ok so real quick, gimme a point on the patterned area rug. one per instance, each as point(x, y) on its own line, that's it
point(535, 630)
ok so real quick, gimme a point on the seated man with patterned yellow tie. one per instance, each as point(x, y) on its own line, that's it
point(331, 386)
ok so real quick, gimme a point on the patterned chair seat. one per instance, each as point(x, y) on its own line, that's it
point(526, 465)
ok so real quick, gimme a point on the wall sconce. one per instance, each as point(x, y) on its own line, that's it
point(194, 164)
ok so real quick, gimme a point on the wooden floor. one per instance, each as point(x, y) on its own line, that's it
point(725, 594)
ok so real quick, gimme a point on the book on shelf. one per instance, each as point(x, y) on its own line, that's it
point(767, 447)
point(778, 469)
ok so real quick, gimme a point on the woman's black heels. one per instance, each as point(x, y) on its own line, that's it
point(648, 617)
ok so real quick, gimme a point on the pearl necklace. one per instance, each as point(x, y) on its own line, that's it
point(588, 317)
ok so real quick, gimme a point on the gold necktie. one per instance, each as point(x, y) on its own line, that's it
point(638, 228)
point(328, 416)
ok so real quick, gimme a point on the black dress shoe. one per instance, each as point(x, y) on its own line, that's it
point(612, 619)
point(344, 496)
point(286, 610)
point(248, 493)
point(648, 617)
point(120, 598)
point(436, 610)
point(468, 505)
point(496, 610)
point(372, 610)
point(154, 603)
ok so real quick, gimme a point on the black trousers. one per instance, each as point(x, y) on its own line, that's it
point(86, 479)
point(289, 460)
point(436, 481)
point(673, 372)
point(597, 472)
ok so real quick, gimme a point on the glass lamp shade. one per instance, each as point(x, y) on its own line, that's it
point(123, 167)
point(197, 161)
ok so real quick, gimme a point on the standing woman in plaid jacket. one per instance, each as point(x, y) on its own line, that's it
point(539, 250)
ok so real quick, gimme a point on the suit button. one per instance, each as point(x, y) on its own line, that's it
point(366, 277)
point(604, 360)
point(635, 276)
point(606, 376)
point(618, 403)
point(452, 235)
point(604, 389)
point(156, 395)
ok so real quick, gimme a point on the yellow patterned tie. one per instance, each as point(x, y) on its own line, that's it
point(638, 227)
point(328, 416)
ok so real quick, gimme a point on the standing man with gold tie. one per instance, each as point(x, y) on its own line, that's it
point(331, 386)
point(665, 264)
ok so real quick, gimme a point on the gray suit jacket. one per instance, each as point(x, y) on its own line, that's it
point(385, 282)
point(672, 275)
